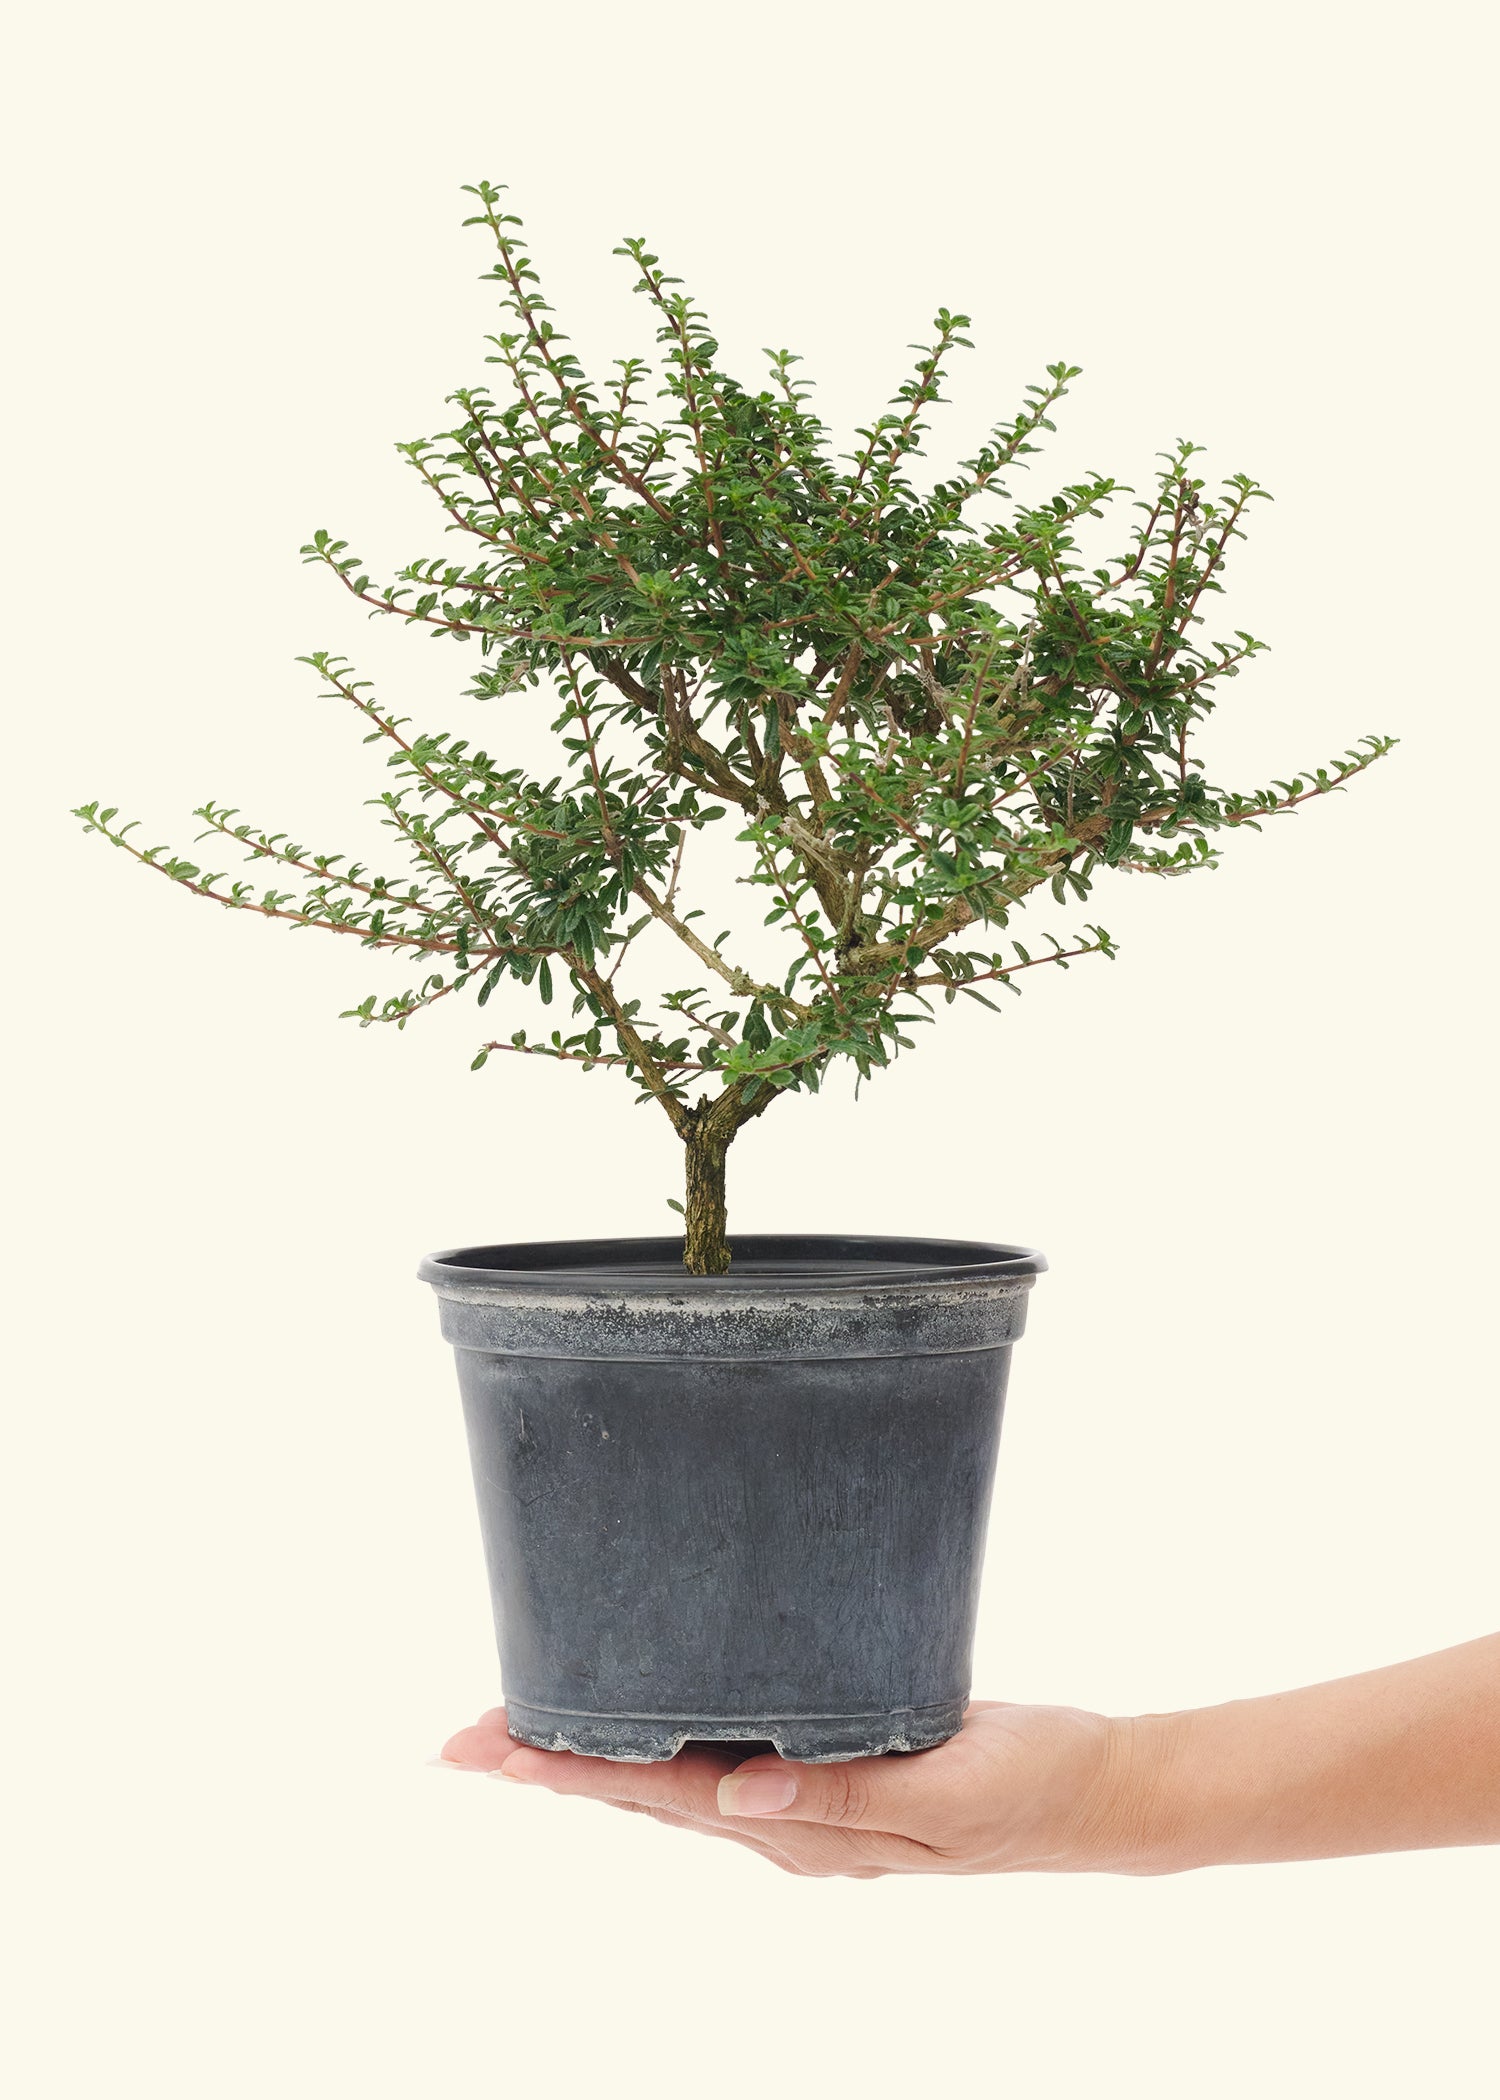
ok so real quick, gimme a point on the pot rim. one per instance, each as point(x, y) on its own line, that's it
point(793, 1263)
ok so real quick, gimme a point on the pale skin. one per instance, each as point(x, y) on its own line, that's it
point(1395, 1760)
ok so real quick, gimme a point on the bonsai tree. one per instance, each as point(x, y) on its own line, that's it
point(918, 708)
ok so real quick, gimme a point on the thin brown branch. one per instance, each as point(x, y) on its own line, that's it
point(1032, 962)
point(743, 986)
point(493, 630)
point(653, 1074)
point(478, 817)
point(526, 308)
point(424, 944)
point(260, 847)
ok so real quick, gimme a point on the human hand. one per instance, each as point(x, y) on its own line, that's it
point(1041, 1787)
point(1389, 1761)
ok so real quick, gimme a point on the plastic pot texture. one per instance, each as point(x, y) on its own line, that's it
point(740, 1508)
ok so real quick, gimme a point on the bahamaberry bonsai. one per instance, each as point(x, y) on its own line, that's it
point(919, 708)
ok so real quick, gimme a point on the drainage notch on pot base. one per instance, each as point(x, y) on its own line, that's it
point(741, 1507)
point(803, 1739)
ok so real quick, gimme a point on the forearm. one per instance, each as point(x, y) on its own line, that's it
point(1394, 1760)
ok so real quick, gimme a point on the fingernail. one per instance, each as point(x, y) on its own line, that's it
point(756, 1793)
point(450, 1764)
point(505, 1772)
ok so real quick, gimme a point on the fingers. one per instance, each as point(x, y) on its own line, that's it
point(684, 1785)
point(789, 1814)
point(705, 1784)
point(483, 1748)
point(661, 1792)
point(899, 1800)
point(888, 1794)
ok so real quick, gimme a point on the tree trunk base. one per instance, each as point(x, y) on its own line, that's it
point(705, 1246)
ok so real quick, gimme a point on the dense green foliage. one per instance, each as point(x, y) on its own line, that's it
point(918, 708)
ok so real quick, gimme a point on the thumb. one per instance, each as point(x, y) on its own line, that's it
point(859, 1794)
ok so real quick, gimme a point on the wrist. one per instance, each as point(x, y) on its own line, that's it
point(1140, 1816)
point(1391, 1760)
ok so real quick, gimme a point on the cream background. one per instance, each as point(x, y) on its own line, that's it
point(1252, 1438)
